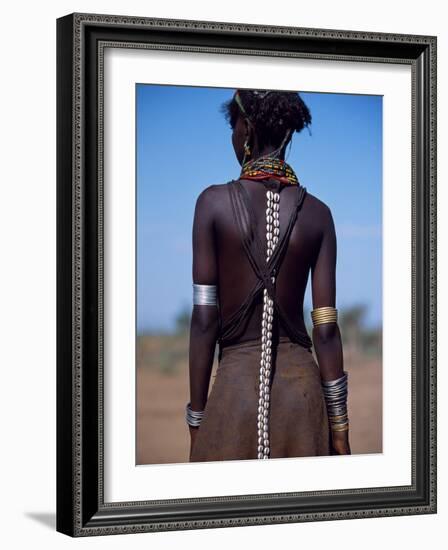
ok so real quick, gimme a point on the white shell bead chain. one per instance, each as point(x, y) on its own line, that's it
point(272, 234)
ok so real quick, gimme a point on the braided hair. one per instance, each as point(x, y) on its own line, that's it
point(271, 112)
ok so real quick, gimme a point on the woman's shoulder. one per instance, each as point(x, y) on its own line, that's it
point(317, 215)
point(316, 206)
point(210, 196)
point(212, 191)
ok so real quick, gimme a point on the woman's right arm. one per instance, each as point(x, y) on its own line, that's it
point(204, 320)
point(326, 337)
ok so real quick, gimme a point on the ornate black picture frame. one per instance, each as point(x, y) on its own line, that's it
point(81, 509)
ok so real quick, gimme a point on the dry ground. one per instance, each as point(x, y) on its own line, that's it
point(163, 391)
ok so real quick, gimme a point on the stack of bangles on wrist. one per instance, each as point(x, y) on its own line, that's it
point(193, 418)
point(335, 391)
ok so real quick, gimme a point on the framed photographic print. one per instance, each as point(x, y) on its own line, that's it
point(246, 274)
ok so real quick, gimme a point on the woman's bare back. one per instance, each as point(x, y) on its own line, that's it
point(228, 266)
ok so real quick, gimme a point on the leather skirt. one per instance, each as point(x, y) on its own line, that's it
point(298, 422)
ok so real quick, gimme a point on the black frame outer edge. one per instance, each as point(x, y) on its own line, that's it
point(96, 518)
point(423, 283)
point(65, 496)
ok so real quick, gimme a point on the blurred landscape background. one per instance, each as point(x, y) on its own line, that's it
point(163, 388)
point(183, 146)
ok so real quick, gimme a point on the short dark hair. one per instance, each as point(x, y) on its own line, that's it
point(271, 113)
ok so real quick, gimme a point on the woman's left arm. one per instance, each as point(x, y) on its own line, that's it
point(326, 336)
point(204, 320)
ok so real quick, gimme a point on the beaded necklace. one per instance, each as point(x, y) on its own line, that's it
point(269, 168)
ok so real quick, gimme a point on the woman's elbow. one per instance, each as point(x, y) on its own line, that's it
point(326, 334)
point(204, 320)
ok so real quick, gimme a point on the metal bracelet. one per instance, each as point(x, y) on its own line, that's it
point(336, 381)
point(193, 418)
point(204, 295)
point(335, 394)
point(322, 315)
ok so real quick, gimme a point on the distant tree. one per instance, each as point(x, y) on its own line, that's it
point(355, 335)
point(372, 341)
point(350, 323)
point(183, 321)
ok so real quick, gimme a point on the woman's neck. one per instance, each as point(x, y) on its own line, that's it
point(266, 151)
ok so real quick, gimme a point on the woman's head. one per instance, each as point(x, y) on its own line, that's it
point(264, 120)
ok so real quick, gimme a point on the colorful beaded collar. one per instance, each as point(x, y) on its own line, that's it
point(269, 168)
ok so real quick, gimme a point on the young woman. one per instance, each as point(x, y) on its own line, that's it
point(255, 242)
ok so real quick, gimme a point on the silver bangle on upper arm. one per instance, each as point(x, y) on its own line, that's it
point(204, 295)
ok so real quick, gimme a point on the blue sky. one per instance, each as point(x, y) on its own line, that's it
point(184, 145)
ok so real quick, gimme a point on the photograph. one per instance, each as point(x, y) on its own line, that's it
point(246, 274)
point(258, 274)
